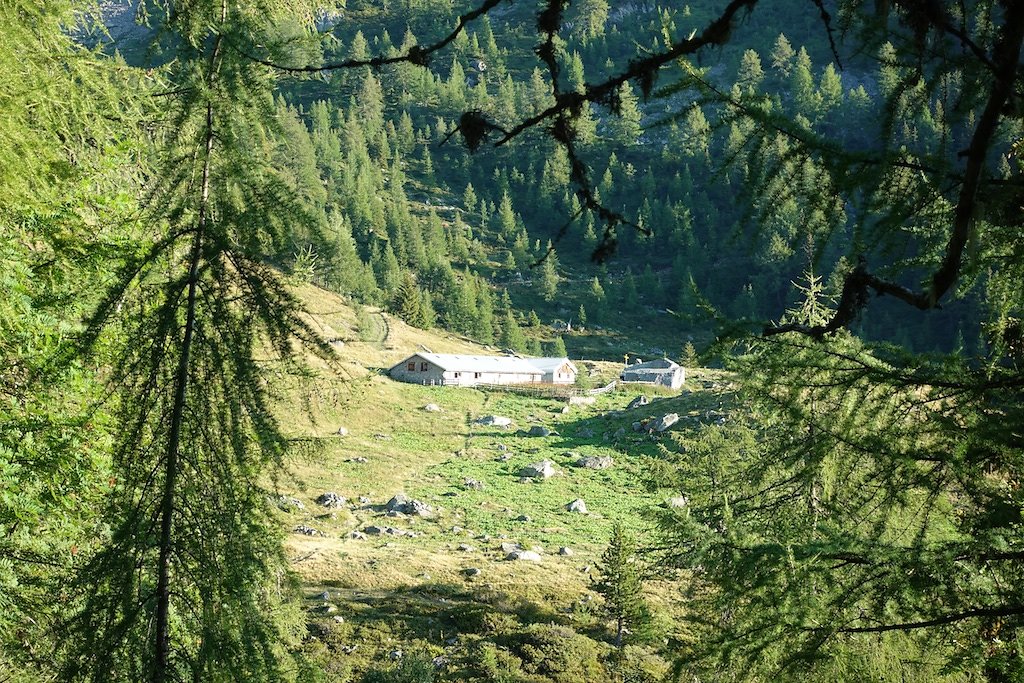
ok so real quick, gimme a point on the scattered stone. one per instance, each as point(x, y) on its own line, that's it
point(320, 596)
point(395, 655)
point(665, 422)
point(524, 556)
point(582, 400)
point(307, 530)
point(621, 432)
point(359, 460)
point(577, 506)
point(394, 513)
point(342, 431)
point(373, 530)
point(565, 551)
point(339, 620)
point(509, 547)
point(471, 483)
point(457, 530)
point(524, 518)
point(407, 506)
point(330, 499)
point(638, 426)
point(471, 571)
point(382, 437)
point(494, 421)
point(677, 502)
point(325, 608)
point(289, 504)
point(357, 535)
point(565, 410)
point(440, 662)
point(504, 457)
point(502, 447)
point(586, 433)
point(539, 430)
point(466, 548)
point(637, 402)
point(595, 462)
point(585, 569)
point(364, 500)
point(432, 408)
point(538, 470)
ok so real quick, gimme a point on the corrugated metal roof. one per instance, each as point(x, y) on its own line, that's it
point(493, 364)
point(659, 364)
point(551, 364)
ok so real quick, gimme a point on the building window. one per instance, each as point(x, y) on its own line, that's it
point(476, 375)
point(412, 366)
point(423, 367)
point(458, 374)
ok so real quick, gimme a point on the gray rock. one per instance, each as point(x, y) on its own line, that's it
point(565, 551)
point(539, 470)
point(432, 408)
point(373, 530)
point(408, 506)
point(494, 421)
point(357, 535)
point(577, 506)
point(508, 548)
point(474, 484)
point(637, 402)
point(620, 432)
point(539, 430)
point(289, 504)
point(364, 500)
point(504, 457)
point(502, 447)
point(466, 548)
point(471, 571)
point(595, 462)
point(325, 608)
point(638, 426)
point(586, 433)
point(582, 400)
point(524, 518)
point(330, 499)
point(677, 502)
point(359, 460)
point(524, 556)
point(342, 431)
point(665, 421)
point(307, 530)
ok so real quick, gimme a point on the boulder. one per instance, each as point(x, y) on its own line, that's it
point(538, 470)
point(509, 547)
point(539, 430)
point(307, 530)
point(638, 426)
point(342, 431)
point(565, 551)
point(620, 432)
point(330, 499)
point(665, 421)
point(432, 408)
point(471, 571)
point(474, 484)
point(494, 421)
point(466, 548)
point(637, 402)
point(595, 462)
point(408, 506)
point(582, 400)
point(289, 504)
point(577, 506)
point(523, 555)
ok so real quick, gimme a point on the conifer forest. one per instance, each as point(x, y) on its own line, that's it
point(223, 221)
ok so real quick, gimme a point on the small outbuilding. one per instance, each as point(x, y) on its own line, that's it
point(662, 372)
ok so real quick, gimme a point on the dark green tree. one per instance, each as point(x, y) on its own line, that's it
point(621, 585)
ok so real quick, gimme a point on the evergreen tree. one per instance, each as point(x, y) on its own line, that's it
point(621, 585)
point(625, 125)
point(548, 278)
point(511, 335)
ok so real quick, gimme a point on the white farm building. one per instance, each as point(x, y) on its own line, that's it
point(465, 370)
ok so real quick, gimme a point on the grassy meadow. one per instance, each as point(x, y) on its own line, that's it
point(441, 585)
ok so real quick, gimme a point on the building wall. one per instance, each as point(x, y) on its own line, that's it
point(468, 379)
point(431, 375)
point(564, 375)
